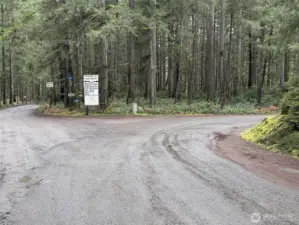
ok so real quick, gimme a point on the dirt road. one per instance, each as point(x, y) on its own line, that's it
point(132, 171)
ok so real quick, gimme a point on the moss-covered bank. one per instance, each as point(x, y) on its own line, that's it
point(275, 133)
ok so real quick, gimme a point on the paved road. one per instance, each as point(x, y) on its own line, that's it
point(133, 171)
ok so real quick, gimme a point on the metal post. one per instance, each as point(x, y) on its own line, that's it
point(86, 110)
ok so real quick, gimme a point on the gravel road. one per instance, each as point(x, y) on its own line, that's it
point(130, 171)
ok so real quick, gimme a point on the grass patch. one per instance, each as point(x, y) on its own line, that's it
point(275, 133)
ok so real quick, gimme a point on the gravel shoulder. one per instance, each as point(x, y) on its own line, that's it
point(278, 168)
point(143, 171)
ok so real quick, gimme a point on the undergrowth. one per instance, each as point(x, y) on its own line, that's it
point(275, 134)
point(280, 133)
point(162, 107)
point(271, 96)
point(168, 107)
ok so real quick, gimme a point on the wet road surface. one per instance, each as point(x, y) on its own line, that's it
point(130, 171)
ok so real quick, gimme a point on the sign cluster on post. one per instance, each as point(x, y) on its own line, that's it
point(91, 91)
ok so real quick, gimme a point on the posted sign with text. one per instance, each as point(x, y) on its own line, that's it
point(91, 90)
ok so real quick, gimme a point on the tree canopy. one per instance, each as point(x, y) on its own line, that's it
point(215, 50)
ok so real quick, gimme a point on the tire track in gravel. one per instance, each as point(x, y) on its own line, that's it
point(158, 206)
point(172, 145)
point(135, 171)
point(169, 139)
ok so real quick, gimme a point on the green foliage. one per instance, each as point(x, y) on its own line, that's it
point(43, 27)
point(167, 106)
point(163, 107)
point(276, 134)
point(280, 133)
point(289, 143)
point(260, 132)
point(271, 96)
point(290, 101)
point(248, 96)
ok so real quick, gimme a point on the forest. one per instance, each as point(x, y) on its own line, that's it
point(197, 53)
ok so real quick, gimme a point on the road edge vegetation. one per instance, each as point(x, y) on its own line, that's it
point(2, 107)
point(280, 133)
point(164, 107)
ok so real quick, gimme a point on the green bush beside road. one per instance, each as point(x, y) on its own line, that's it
point(280, 133)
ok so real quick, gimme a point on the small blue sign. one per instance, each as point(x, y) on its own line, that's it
point(76, 101)
point(70, 77)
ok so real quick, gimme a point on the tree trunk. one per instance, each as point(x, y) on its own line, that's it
point(11, 89)
point(177, 80)
point(54, 85)
point(153, 58)
point(203, 60)
point(250, 61)
point(68, 73)
point(222, 73)
point(115, 71)
point(210, 55)
point(132, 63)
point(239, 76)
point(194, 59)
point(104, 75)
point(239, 60)
point(266, 61)
point(282, 76)
point(170, 63)
point(259, 78)
point(104, 70)
point(178, 60)
point(286, 66)
point(3, 60)
point(158, 75)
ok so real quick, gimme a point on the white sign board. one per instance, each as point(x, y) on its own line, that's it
point(49, 84)
point(91, 90)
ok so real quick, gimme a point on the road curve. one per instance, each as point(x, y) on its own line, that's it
point(130, 171)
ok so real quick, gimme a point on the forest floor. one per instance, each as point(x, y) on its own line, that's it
point(163, 107)
point(140, 170)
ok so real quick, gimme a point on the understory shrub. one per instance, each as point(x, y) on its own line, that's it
point(290, 101)
point(280, 133)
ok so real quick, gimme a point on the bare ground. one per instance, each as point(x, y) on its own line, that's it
point(276, 167)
